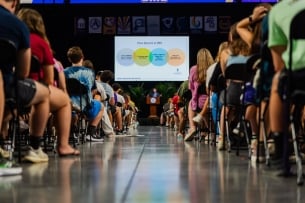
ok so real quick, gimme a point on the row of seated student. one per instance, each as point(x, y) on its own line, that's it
point(42, 94)
point(36, 93)
point(247, 38)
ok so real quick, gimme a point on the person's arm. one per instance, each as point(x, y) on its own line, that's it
point(62, 81)
point(278, 62)
point(23, 64)
point(48, 74)
point(242, 26)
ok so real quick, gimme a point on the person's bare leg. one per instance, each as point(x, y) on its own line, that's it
point(40, 110)
point(251, 116)
point(275, 107)
point(191, 115)
point(61, 109)
point(118, 118)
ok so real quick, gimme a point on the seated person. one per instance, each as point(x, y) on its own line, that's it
point(30, 93)
point(59, 100)
point(114, 112)
point(92, 108)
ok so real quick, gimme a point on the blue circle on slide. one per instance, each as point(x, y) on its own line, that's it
point(158, 57)
point(125, 57)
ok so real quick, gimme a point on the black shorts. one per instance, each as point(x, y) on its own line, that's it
point(234, 91)
point(296, 82)
point(26, 90)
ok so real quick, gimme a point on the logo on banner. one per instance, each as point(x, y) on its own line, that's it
point(95, 24)
point(210, 23)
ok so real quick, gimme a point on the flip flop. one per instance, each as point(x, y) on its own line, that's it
point(71, 154)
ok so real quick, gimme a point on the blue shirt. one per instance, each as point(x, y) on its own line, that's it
point(86, 77)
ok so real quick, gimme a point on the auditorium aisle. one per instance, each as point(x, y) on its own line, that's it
point(149, 166)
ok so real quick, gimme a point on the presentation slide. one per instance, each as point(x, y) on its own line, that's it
point(151, 58)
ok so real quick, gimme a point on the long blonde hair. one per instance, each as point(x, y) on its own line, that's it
point(222, 46)
point(204, 60)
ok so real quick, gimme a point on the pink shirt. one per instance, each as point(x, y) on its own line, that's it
point(196, 100)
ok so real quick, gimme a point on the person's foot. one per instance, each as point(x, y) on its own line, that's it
point(198, 118)
point(190, 135)
point(8, 168)
point(236, 130)
point(4, 154)
point(67, 151)
point(94, 138)
point(36, 155)
point(221, 143)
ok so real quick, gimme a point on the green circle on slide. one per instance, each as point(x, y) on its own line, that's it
point(141, 57)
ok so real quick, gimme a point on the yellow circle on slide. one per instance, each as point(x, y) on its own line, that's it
point(176, 57)
point(141, 56)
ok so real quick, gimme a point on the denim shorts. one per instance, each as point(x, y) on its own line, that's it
point(94, 109)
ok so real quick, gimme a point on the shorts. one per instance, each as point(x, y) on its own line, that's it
point(297, 82)
point(250, 95)
point(26, 90)
point(234, 91)
point(94, 109)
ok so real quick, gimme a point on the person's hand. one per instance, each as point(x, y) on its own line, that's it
point(258, 13)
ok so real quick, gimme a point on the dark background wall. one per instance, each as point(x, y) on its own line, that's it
point(59, 20)
point(99, 48)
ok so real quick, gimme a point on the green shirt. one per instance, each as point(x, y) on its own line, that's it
point(280, 18)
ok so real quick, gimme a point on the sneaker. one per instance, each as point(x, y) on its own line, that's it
point(36, 156)
point(94, 138)
point(190, 135)
point(8, 168)
point(179, 135)
point(4, 154)
point(198, 118)
point(253, 147)
point(221, 143)
point(236, 129)
point(23, 125)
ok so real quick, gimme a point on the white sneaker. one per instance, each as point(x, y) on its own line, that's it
point(4, 154)
point(236, 129)
point(221, 143)
point(198, 118)
point(8, 168)
point(190, 135)
point(36, 156)
point(94, 138)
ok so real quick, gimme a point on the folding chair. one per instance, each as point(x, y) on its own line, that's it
point(296, 94)
point(239, 72)
point(8, 57)
point(76, 88)
point(266, 72)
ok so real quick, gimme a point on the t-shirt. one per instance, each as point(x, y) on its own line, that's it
point(41, 49)
point(86, 77)
point(280, 17)
point(14, 30)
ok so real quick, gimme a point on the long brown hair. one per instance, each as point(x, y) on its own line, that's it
point(34, 21)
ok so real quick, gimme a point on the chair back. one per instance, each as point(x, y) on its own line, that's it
point(237, 71)
point(297, 32)
point(76, 88)
point(8, 52)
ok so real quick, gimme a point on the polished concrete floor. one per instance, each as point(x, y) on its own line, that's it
point(150, 166)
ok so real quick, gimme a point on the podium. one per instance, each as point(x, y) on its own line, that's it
point(153, 102)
